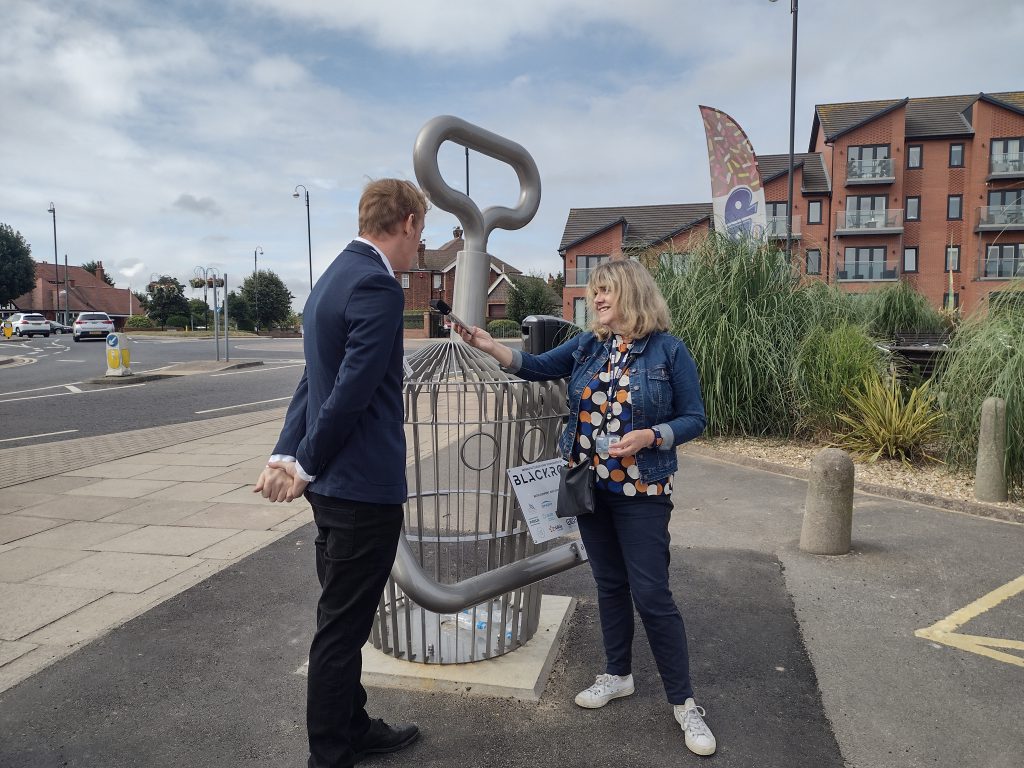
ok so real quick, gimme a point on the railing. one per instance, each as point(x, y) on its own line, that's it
point(866, 270)
point(776, 226)
point(998, 267)
point(868, 171)
point(999, 216)
point(859, 221)
point(575, 278)
point(1007, 163)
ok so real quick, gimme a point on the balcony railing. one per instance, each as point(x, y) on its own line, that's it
point(887, 222)
point(867, 271)
point(1000, 217)
point(575, 278)
point(776, 227)
point(996, 266)
point(1006, 164)
point(878, 171)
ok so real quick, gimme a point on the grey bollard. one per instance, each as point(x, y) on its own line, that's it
point(990, 473)
point(828, 512)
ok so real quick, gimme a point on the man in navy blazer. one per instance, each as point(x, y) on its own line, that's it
point(343, 446)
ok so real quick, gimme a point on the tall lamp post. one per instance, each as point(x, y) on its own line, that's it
point(309, 240)
point(256, 286)
point(792, 129)
point(56, 269)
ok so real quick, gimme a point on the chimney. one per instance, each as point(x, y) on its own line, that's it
point(99, 272)
point(457, 233)
point(421, 255)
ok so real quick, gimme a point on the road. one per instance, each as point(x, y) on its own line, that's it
point(48, 399)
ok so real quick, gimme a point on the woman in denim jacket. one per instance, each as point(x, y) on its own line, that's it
point(634, 396)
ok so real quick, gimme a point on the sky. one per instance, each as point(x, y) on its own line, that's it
point(170, 135)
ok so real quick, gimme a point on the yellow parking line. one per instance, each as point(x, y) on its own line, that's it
point(944, 630)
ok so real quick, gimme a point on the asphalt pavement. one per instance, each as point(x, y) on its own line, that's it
point(907, 652)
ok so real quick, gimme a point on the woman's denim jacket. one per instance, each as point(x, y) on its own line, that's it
point(665, 391)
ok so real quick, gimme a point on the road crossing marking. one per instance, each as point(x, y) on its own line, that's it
point(44, 434)
point(944, 631)
point(242, 405)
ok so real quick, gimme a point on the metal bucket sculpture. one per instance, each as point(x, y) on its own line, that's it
point(464, 586)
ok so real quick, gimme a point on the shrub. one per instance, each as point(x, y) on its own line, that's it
point(177, 321)
point(413, 320)
point(900, 308)
point(986, 359)
point(883, 422)
point(504, 329)
point(826, 362)
point(138, 322)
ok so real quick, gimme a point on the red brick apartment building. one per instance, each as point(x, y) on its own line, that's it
point(904, 189)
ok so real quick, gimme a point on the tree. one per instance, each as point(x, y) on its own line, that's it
point(530, 295)
point(557, 283)
point(143, 298)
point(92, 266)
point(166, 298)
point(239, 311)
point(17, 269)
point(269, 293)
point(199, 311)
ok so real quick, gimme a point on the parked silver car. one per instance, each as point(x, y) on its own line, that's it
point(29, 324)
point(92, 324)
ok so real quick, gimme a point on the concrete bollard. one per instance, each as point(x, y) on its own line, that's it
point(990, 472)
point(828, 512)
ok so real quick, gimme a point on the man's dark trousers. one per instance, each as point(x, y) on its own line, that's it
point(355, 549)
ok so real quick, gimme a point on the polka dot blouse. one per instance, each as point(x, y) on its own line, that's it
point(608, 409)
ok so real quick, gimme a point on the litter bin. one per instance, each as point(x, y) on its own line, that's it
point(545, 332)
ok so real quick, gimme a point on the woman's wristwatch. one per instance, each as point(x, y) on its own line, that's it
point(658, 439)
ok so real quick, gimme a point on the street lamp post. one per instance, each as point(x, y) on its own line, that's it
point(309, 239)
point(256, 286)
point(793, 9)
point(56, 269)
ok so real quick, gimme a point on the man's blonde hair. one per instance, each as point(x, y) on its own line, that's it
point(638, 299)
point(386, 203)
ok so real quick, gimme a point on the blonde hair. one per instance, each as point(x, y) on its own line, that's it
point(386, 203)
point(638, 299)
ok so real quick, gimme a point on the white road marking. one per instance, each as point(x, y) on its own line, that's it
point(240, 405)
point(80, 392)
point(71, 361)
point(44, 434)
point(257, 370)
point(72, 388)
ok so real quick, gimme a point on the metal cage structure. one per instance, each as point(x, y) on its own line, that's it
point(464, 587)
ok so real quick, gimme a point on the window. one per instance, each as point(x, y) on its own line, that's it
point(775, 214)
point(910, 259)
point(580, 312)
point(914, 208)
point(956, 155)
point(953, 258)
point(954, 207)
point(405, 280)
point(584, 266)
point(865, 211)
point(1007, 156)
point(813, 261)
point(1005, 260)
point(949, 302)
point(674, 261)
point(868, 162)
point(865, 264)
point(1005, 207)
point(814, 212)
point(915, 155)
point(437, 281)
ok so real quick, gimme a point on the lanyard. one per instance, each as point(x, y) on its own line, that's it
point(621, 369)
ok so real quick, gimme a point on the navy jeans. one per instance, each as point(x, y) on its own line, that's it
point(355, 549)
point(627, 542)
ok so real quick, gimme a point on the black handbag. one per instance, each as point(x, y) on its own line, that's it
point(576, 490)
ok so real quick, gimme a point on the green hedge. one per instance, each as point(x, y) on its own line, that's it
point(138, 321)
point(413, 320)
point(178, 321)
point(504, 329)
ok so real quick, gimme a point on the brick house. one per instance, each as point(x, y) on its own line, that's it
point(433, 277)
point(905, 189)
point(86, 292)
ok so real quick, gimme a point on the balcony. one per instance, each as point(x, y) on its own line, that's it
point(887, 222)
point(775, 228)
point(1002, 265)
point(866, 271)
point(1008, 165)
point(578, 278)
point(999, 218)
point(879, 171)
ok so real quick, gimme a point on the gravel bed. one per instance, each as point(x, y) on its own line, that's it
point(935, 479)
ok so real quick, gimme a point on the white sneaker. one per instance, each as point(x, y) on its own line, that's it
point(604, 689)
point(699, 738)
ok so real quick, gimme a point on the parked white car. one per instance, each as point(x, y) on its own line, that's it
point(29, 324)
point(92, 324)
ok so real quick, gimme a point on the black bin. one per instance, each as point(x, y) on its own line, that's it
point(545, 332)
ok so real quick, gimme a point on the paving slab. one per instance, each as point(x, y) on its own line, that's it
point(128, 488)
point(184, 473)
point(239, 545)
point(245, 495)
point(257, 517)
point(156, 511)
point(75, 535)
point(12, 500)
point(207, 491)
point(23, 563)
point(55, 484)
point(10, 650)
point(73, 507)
point(26, 607)
point(111, 469)
point(166, 540)
point(116, 572)
point(15, 527)
point(92, 620)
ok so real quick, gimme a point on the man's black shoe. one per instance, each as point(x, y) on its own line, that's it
point(382, 737)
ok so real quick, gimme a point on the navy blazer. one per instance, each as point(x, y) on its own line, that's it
point(345, 423)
